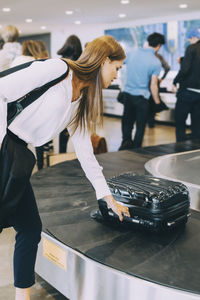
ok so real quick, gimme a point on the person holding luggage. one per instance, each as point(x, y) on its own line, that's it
point(75, 102)
point(166, 68)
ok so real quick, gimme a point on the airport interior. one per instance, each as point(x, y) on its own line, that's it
point(150, 133)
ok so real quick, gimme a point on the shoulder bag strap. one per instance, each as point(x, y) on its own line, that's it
point(16, 107)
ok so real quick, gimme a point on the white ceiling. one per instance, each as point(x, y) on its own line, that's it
point(51, 13)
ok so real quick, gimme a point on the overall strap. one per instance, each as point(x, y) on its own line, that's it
point(18, 68)
point(16, 107)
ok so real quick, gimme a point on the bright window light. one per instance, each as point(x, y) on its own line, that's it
point(125, 1)
point(77, 22)
point(183, 5)
point(6, 9)
point(69, 12)
point(122, 15)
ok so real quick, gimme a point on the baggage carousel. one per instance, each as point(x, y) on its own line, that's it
point(89, 260)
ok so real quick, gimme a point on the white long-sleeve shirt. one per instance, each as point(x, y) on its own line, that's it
point(21, 59)
point(46, 117)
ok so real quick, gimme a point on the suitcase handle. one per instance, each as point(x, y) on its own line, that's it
point(172, 223)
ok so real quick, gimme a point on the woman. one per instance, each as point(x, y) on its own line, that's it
point(43, 49)
point(11, 48)
point(75, 102)
point(30, 52)
point(71, 49)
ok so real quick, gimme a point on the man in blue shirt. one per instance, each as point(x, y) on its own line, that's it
point(142, 70)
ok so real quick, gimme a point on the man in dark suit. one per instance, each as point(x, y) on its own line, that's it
point(188, 95)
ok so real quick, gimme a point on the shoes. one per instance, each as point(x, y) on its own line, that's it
point(126, 144)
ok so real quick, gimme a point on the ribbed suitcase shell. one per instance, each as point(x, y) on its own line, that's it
point(153, 202)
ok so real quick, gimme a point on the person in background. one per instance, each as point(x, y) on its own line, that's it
point(1, 43)
point(166, 68)
point(164, 64)
point(43, 54)
point(11, 48)
point(30, 52)
point(79, 106)
point(43, 49)
point(142, 71)
point(47, 147)
point(71, 49)
point(188, 95)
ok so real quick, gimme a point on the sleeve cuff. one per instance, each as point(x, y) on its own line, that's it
point(101, 188)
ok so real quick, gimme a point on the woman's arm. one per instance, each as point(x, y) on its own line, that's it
point(93, 171)
point(117, 208)
point(164, 64)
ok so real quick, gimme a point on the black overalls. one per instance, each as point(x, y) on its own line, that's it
point(18, 206)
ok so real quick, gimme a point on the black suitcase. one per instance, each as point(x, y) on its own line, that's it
point(154, 203)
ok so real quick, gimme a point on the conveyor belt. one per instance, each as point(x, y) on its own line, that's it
point(129, 264)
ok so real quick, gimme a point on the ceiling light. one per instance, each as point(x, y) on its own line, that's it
point(183, 6)
point(43, 27)
point(29, 20)
point(125, 1)
point(69, 12)
point(77, 22)
point(122, 15)
point(6, 9)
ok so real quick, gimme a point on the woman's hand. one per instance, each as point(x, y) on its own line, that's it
point(117, 208)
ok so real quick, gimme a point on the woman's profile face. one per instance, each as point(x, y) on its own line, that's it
point(109, 71)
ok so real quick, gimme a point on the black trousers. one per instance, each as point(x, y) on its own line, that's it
point(151, 114)
point(187, 102)
point(136, 110)
point(63, 140)
point(18, 206)
point(40, 157)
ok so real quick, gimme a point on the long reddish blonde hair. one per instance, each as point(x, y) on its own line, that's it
point(88, 69)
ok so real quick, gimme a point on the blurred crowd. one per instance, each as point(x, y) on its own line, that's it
point(141, 89)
